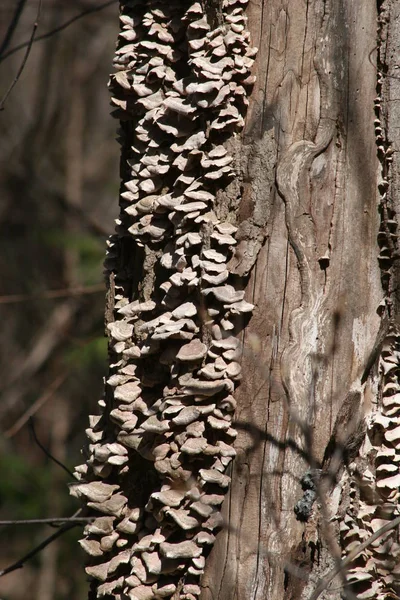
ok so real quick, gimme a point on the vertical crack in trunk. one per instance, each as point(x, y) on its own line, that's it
point(370, 485)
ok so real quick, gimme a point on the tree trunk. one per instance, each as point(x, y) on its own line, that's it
point(286, 190)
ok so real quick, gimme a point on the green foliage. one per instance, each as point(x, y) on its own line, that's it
point(88, 250)
point(88, 354)
point(23, 488)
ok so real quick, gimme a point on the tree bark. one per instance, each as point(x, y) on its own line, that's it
point(312, 191)
point(315, 283)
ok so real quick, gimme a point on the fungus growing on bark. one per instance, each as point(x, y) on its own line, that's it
point(375, 494)
point(165, 429)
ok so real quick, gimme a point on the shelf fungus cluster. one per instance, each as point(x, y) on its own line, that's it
point(375, 490)
point(155, 476)
point(387, 236)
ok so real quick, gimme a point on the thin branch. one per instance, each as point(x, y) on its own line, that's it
point(20, 563)
point(12, 26)
point(47, 453)
point(325, 581)
point(28, 50)
point(61, 27)
point(47, 395)
point(55, 521)
point(63, 293)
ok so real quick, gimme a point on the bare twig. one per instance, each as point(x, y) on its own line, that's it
point(53, 387)
point(47, 453)
point(28, 50)
point(325, 581)
point(55, 521)
point(12, 26)
point(48, 34)
point(62, 293)
point(20, 563)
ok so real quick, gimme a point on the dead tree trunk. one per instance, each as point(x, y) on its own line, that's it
point(256, 242)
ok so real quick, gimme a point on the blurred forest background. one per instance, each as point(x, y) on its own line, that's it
point(58, 187)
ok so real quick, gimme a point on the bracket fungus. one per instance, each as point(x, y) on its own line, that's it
point(375, 493)
point(164, 434)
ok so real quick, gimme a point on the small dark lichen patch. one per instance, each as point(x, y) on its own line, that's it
point(309, 483)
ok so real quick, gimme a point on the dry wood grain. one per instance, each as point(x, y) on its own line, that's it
point(315, 282)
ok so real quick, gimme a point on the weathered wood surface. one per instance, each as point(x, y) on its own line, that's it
point(310, 199)
point(314, 191)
